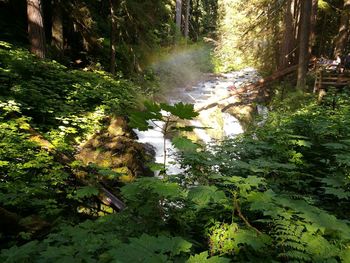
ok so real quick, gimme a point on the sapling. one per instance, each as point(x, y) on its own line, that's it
point(168, 118)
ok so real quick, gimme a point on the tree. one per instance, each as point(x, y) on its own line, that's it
point(36, 33)
point(178, 14)
point(112, 6)
point(304, 42)
point(343, 33)
point(288, 40)
point(313, 25)
point(57, 26)
point(187, 18)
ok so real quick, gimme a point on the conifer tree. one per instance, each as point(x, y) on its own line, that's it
point(36, 33)
point(304, 41)
point(343, 33)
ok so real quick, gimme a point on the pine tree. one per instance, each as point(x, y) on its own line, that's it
point(36, 33)
point(343, 33)
point(304, 42)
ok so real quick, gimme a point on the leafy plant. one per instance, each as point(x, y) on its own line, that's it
point(167, 118)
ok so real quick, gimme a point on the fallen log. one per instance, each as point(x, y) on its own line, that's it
point(251, 87)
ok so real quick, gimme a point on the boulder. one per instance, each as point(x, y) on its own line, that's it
point(116, 148)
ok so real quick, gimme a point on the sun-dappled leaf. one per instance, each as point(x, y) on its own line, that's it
point(204, 258)
point(181, 110)
point(184, 144)
point(86, 191)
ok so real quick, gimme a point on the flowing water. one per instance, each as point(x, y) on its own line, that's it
point(219, 124)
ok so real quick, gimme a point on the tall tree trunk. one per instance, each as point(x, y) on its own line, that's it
point(288, 41)
point(343, 34)
point(313, 25)
point(178, 14)
point(187, 18)
point(304, 42)
point(57, 26)
point(113, 41)
point(196, 15)
point(296, 28)
point(36, 33)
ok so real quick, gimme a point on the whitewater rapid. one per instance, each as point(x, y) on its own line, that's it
point(219, 124)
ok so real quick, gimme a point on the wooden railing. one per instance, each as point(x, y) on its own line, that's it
point(330, 76)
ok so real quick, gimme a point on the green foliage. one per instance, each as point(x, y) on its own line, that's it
point(229, 239)
point(184, 144)
point(202, 196)
point(85, 191)
point(40, 97)
point(168, 119)
point(31, 179)
point(151, 249)
point(84, 244)
point(65, 103)
point(203, 257)
point(158, 112)
point(275, 194)
point(247, 33)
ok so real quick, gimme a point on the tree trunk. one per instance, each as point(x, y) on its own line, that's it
point(296, 28)
point(36, 33)
point(194, 18)
point(113, 41)
point(178, 14)
point(187, 18)
point(343, 34)
point(304, 42)
point(313, 25)
point(57, 26)
point(288, 41)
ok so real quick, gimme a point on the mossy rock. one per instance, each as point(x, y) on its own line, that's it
point(126, 175)
point(115, 148)
point(244, 113)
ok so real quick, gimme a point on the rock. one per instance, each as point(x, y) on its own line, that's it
point(244, 113)
point(115, 148)
point(118, 127)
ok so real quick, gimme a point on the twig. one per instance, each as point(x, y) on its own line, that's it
point(241, 216)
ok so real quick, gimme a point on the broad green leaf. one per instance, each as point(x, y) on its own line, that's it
point(204, 258)
point(150, 249)
point(251, 238)
point(184, 144)
point(181, 110)
point(203, 195)
point(86, 191)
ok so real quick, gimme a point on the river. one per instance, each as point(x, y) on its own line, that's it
point(220, 124)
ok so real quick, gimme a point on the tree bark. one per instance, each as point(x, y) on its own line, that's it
point(57, 26)
point(36, 33)
point(343, 34)
point(196, 20)
point(304, 42)
point(313, 25)
point(178, 14)
point(113, 41)
point(288, 41)
point(187, 18)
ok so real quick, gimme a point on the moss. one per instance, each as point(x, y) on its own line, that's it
point(243, 113)
point(126, 174)
point(115, 148)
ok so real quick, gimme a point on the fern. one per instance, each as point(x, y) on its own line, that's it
point(204, 258)
point(288, 241)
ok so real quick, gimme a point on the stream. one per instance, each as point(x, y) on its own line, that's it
point(221, 124)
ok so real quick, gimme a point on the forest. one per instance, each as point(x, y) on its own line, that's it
point(174, 131)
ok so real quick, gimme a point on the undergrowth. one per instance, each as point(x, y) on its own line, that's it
point(278, 193)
